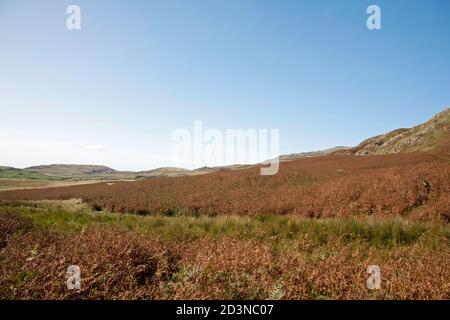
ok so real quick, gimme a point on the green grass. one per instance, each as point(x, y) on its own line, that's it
point(71, 216)
point(12, 173)
point(23, 277)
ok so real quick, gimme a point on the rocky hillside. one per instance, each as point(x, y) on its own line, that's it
point(424, 137)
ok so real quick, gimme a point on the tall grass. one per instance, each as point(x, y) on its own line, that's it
point(70, 216)
point(126, 256)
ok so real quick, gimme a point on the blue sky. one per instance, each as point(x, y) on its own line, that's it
point(137, 70)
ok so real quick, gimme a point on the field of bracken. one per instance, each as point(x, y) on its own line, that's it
point(309, 232)
point(128, 256)
point(415, 186)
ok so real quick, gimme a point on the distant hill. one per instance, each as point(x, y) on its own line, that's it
point(13, 173)
point(71, 170)
point(204, 170)
point(87, 172)
point(160, 172)
point(293, 156)
point(424, 137)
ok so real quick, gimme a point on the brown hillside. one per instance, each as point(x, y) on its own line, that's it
point(414, 185)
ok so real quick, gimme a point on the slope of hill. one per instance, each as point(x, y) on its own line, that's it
point(324, 152)
point(424, 137)
point(160, 172)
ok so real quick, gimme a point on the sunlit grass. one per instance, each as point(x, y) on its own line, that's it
point(71, 216)
point(210, 257)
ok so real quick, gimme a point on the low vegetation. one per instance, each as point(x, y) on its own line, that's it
point(309, 232)
point(128, 256)
point(414, 186)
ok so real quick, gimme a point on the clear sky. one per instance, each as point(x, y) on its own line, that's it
point(137, 70)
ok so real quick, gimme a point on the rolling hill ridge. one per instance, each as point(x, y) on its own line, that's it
point(430, 135)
